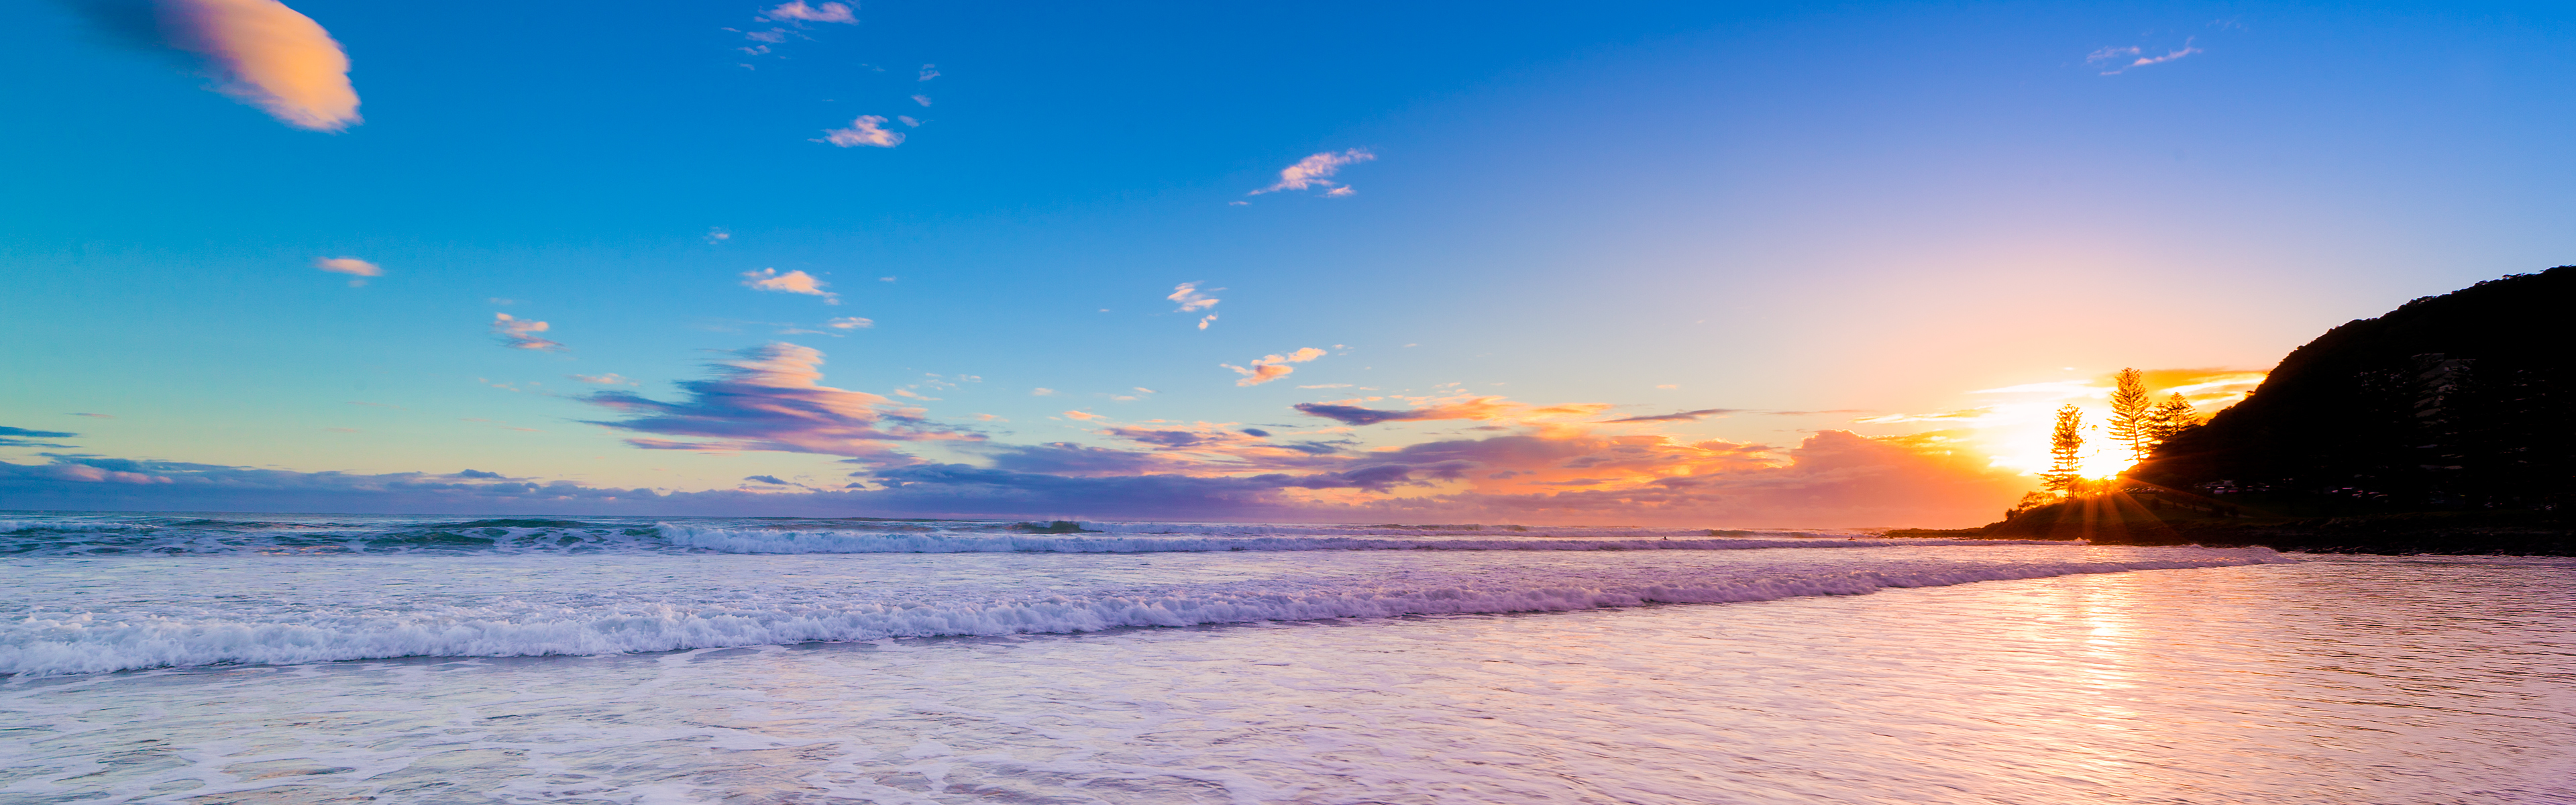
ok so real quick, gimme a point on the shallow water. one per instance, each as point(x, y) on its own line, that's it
point(2326, 680)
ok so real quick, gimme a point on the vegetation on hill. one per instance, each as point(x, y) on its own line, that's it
point(2444, 426)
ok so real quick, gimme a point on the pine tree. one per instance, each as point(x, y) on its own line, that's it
point(2132, 424)
point(2171, 417)
point(2065, 472)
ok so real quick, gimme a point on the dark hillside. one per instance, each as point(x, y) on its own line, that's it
point(2451, 402)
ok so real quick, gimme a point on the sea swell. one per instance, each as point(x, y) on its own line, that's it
point(69, 641)
point(126, 535)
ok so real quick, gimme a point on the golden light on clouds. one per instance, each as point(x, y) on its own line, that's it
point(269, 56)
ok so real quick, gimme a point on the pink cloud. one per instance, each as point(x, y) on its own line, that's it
point(520, 333)
point(351, 266)
point(797, 282)
point(866, 130)
point(269, 56)
point(799, 11)
point(1315, 171)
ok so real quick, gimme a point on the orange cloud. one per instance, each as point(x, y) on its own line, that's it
point(768, 279)
point(1272, 367)
point(267, 55)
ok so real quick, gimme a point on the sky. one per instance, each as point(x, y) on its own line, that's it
point(1746, 265)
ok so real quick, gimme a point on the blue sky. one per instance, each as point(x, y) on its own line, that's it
point(1871, 211)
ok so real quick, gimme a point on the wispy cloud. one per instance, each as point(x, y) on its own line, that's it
point(1478, 409)
point(518, 333)
point(797, 282)
point(1685, 416)
point(1191, 298)
point(351, 266)
point(1316, 171)
point(610, 379)
point(920, 99)
point(2124, 59)
point(1962, 415)
point(850, 323)
point(772, 398)
point(261, 53)
point(800, 12)
point(929, 71)
point(866, 130)
point(19, 437)
point(1272, 367)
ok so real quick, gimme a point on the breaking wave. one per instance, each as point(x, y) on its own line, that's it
point(71, 641)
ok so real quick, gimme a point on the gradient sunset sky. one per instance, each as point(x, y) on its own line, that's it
point(1732, 264)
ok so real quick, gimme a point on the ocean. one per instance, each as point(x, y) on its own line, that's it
point(208, 658)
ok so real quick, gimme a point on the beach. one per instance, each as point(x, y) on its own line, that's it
point(1955, 673)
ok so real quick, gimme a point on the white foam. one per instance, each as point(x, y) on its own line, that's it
point(63, 640)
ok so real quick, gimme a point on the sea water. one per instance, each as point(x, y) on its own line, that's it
point(224, 658)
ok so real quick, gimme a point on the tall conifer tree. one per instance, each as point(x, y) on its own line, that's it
point(2171, 417)
point(2065, 453)
point(2132, 423)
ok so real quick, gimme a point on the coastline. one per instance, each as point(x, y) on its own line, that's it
point(2498, 533)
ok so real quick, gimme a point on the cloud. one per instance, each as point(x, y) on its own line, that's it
point(610, 379)
point(799, 11)
point(866, 130)
point(11, 437)
point(263, 54)
point(1340, 192)
point(850, 323)
point(767, 479)
point(2124, 59)
point(920, 99)
point(1315, 171)
point(477, 475)
point(96, 416)
point(771, 398)
point(768, 279)
point(717, 234)
point(1478, 409)
point(518, 333)
point(1206, 320)
point(929, 71)
point(1191, 299)
point(1042, 391)
point(1272, 367)
point(351, 266)
point(1560, 474)
point(1083, 416)
point(1685, 416)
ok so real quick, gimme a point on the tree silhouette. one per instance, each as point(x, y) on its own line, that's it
point(2132, 422)
point(2170, 417)
point(2065, 473)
